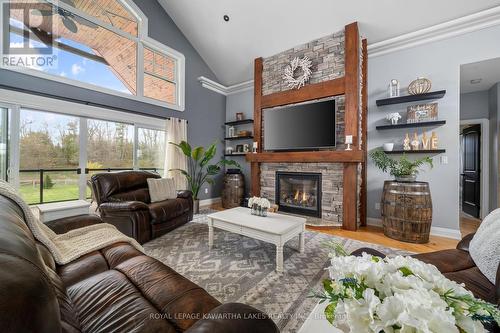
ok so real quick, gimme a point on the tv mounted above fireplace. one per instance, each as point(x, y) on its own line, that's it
point(300, 127)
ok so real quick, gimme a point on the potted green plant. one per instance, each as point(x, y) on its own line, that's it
point(199, 170)
point(404, 169)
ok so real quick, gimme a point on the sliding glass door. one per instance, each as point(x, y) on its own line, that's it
point(49, 157)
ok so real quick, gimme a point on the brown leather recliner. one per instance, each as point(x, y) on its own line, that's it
point(116, 289)
point(457, 265)
point(123, 201)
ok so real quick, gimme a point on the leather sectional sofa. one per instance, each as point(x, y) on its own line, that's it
point(123, 200)
point(116, 289)
point(457, 265)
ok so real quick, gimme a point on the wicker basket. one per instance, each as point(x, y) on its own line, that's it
point(407, 211)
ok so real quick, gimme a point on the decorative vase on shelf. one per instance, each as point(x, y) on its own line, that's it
point(420, 86)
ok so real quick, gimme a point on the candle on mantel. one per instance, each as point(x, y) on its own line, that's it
point(348, 141)
point(255, 146)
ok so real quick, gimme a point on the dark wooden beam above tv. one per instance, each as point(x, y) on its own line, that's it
point(307, 93)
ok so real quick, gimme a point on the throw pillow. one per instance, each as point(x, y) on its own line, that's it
point(485, 246)
point(161, 189)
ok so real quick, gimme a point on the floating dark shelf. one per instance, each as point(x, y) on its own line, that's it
point(412, 98)
point(236, 154)
point(434, 151)
point(412, 125)
point(239, 122)
point(240, 137)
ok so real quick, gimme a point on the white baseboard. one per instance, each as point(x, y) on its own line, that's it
point(435, 231)
point(209, 202)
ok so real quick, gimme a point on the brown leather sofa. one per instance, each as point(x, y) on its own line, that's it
point(123, 200)
point(116, 289)
point(457, 265)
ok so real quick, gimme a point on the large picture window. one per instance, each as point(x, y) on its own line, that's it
point(97, 44)
point(53, 163)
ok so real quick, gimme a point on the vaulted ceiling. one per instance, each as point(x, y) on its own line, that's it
point(265, 27)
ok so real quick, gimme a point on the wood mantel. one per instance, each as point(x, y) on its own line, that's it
point(349, 86)
point(339, 156)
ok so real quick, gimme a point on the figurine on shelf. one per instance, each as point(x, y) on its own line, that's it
point(394, 88)
point(406, 142)
point(393, 117)
point(426, 142)
point(434, 141)
point(415, 143)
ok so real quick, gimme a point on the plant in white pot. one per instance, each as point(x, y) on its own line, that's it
point(404, 169)
point(199, 170)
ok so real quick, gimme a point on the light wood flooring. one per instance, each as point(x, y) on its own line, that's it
point(375, 235)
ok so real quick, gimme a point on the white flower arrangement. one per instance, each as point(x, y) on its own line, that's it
point(260, 202)
point(396, 295)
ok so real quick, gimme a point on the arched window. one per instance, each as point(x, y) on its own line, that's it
point(95, 44)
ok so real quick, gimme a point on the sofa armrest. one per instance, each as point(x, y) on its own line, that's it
point(62, 226)
point(464, 243)
point(185, 194)
point(369, 251)
point(123, 207)
point(234, 318)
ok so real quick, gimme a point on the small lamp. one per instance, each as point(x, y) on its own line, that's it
point(348, 141)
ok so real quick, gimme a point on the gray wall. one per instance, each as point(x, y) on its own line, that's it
point(205, 110)
point(494, 111)
point(439, 61)
point(241, 102)
point(474, 105)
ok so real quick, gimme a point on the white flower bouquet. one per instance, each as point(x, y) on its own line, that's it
point(259, 206)
point(399, 295)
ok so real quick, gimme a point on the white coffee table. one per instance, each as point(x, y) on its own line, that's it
point(276, 229)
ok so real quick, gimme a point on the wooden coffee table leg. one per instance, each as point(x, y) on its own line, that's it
point(279, 258)
point(301, 242)
point(210, 234)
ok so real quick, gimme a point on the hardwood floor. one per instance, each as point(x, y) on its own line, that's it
point(468, 224)
point(375, 235)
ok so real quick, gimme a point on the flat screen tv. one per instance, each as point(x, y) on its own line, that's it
point(300, 127)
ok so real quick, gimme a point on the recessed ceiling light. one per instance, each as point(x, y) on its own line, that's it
point(226, 18)
point(476, 81)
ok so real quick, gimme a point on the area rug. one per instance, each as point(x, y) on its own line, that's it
point(241, 269)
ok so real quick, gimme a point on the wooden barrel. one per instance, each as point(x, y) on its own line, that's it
point(407, 211)
point(233, 192)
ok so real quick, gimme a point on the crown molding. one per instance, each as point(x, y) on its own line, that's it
point(225, 90)
point(470, 23)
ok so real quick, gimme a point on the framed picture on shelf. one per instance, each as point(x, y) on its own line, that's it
point(239, 149)
point(421, 113)
point(240, 116)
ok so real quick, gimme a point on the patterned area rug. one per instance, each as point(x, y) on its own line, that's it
point(241, 269)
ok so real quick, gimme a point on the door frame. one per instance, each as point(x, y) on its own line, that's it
point(485, 162)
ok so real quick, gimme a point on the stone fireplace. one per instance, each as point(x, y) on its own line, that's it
point(329, 197)
point(299, 193)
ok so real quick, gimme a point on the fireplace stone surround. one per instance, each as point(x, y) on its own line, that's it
point(331, 187)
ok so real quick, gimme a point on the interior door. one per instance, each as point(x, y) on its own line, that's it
point(471, 179)
point(4, 143)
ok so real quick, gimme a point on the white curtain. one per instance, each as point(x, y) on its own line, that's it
point(176, 132)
